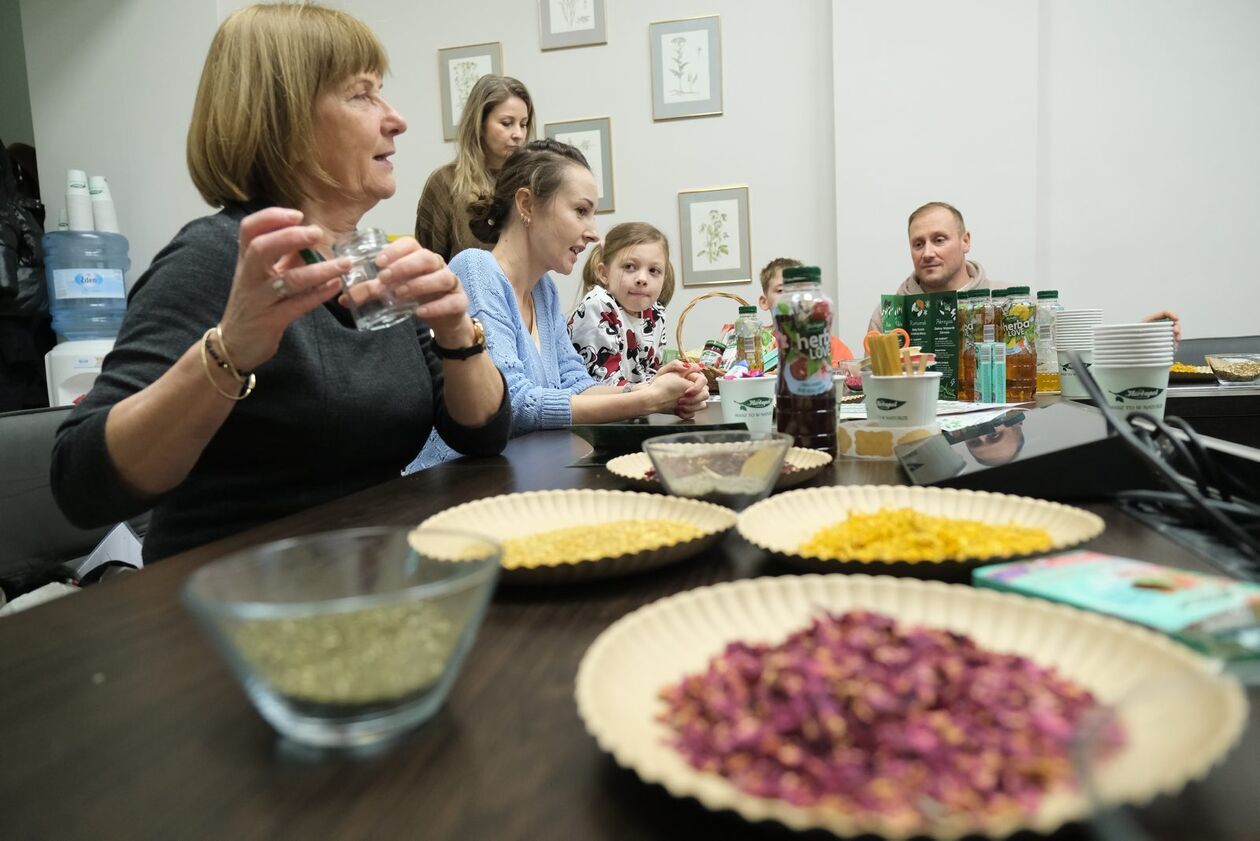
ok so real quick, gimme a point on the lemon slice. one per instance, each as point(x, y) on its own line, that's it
point(759, 464)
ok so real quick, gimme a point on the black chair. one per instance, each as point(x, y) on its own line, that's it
point(35, 537)
point(1192, 351)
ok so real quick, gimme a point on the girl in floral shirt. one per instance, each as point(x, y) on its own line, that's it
point(619, 327)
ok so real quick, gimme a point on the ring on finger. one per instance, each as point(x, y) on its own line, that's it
point(281, 288)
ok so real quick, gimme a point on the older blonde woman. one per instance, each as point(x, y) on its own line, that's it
point(497, 119)
point(239, 389)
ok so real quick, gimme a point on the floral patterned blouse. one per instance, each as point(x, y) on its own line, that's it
point(618, 347)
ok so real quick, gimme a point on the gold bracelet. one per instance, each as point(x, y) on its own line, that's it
point(207, 347)
point(247, 385)
point(236, 372)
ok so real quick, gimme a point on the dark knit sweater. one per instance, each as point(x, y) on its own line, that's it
point(335, 410)
point(441, 220)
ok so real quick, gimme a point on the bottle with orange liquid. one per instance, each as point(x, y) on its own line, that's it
point(1019, 322)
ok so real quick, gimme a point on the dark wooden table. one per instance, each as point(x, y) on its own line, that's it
point(1231, 413)
point(118, 719)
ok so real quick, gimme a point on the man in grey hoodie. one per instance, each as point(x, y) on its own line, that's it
point(939, 242)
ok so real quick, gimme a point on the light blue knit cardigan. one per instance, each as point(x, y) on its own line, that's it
point(539, 383)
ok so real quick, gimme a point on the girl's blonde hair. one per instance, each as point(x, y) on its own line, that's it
point(623, 236)
point(252, 134)
point(473, 178)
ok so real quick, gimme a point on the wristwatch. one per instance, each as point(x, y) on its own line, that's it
point(478, 345)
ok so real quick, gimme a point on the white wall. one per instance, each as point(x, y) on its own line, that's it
point(1103, 148)
point(112, 87)
point(774, 134)
point(143, 58)
point(1150, 192)
point(1106, 149)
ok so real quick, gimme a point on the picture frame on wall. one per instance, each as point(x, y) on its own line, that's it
point(459, 68)
point(686, 60)
point(593, 138)
point(571, 23)
point(714, 236)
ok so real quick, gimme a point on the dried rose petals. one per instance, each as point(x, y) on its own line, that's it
point(854, 714)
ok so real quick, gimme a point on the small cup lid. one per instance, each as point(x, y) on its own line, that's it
point(802, 274)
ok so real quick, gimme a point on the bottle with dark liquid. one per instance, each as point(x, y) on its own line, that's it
point(806, 398)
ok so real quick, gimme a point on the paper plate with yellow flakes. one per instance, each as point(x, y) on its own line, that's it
point(571, 535)
point(939, 533)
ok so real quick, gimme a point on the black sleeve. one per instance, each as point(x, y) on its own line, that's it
point(486, 440)
point(183, 292)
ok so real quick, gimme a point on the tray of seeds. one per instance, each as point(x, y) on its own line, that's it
point(938, 533)
point(799, 466)
point(553, 537)
point(1183, 373)
point(856, 704)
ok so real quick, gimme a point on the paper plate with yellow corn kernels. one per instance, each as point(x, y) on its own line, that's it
point(799, 466)
point(573, 535)
point(858, 704)
point(940, 533)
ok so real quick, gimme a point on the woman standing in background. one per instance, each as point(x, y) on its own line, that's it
point(498, 119)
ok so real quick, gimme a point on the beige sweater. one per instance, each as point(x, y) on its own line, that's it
point(441, 220)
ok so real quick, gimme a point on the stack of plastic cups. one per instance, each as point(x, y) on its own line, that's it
point(1131, 363)
point(1074, 331)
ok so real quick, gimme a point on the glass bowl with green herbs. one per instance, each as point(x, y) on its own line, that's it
point(347, 638)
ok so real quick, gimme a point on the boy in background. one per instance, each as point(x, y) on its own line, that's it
point(771, 290)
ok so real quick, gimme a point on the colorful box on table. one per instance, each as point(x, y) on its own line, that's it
point(1215, 615)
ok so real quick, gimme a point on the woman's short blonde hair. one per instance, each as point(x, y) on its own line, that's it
point(251, 135)
point(473, 178)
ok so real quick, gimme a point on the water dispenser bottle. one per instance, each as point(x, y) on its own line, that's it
point(86, 290)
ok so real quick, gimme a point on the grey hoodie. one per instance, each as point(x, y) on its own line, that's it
point(976, 279)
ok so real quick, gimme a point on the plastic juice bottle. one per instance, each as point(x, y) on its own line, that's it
point(748, 339)
point(1047, 355)
point(986, 323)
point(998, 298)
point(806, 397)
point(1019, 322)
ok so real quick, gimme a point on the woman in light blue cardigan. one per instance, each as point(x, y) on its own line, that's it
point(540, 218)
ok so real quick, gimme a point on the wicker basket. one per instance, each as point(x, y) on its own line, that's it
point(711, 373)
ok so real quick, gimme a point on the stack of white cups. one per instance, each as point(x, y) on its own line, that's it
point(1074, 331)
point(79, 201)
point(1131, 363)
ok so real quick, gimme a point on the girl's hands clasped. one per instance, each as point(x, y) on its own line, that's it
point(680, 388)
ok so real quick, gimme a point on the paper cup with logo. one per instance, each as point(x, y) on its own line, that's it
point(1069, 385)
point(902, 400)
point(750, 401)
point(1134, 388)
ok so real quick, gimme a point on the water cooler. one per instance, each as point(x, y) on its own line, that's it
point(87, 297)
point(71, 367)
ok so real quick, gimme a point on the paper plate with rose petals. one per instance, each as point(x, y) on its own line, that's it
point(799, 466)
point(598, 541)
point(624, 671)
